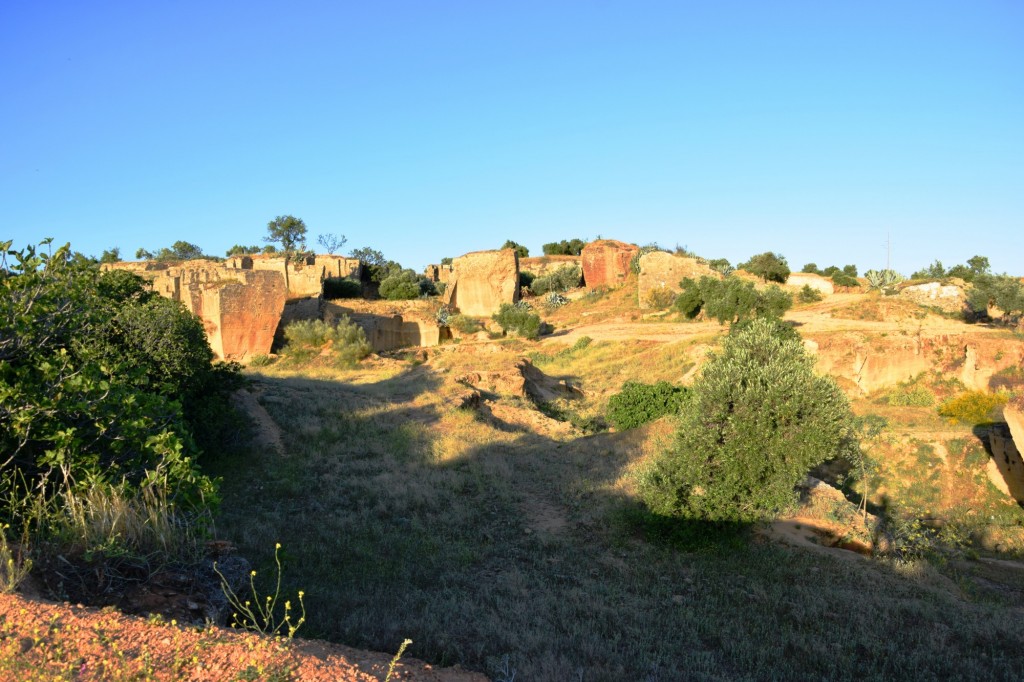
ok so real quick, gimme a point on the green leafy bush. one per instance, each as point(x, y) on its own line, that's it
point(841, 279)
point(730, 300)
point(769, 266)
point(757, 420)
point(564, 278)
point(345, 342)
point(640, 403)
point(571, 247)
point(341, 287)
point(464, 325)
point(808, 294)
point(972, 407)
point(518, 319)
point(101, 382)
point(401, 286)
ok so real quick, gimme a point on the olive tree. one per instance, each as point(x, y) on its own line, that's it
point(758, 419)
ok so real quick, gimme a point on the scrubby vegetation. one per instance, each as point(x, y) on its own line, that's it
point(769, 266)
point(344, 342)
point(570, 247)
point(638, 403)
point(730, 300)
point(563, 279)
point(973, 407)
point(518, 319)
point(341, 287)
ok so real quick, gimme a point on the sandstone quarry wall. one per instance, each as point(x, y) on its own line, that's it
point(240, 309)
point(1006, 468)
point(390, 332)
point(814, 281)
point(305, 276)
point(864, 363)
point(482, 281)
point(606, 262)
point(662, 271)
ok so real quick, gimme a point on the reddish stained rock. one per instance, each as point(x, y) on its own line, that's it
point(606, 262)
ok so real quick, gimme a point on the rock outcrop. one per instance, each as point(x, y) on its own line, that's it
point(240, 309)
point(1006, 444)
point(543, 266)
point(606, 262)
point(661, 271)
point(946, 297)
point(390, 332)
point(482, 281)
point(304, 276)
point(801, 279)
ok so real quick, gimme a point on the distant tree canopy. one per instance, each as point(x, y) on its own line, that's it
point(241, 250)
point(769, 266)
point(179, 250)
point(977, 266)
point(845, 277)
point(571, 247)
point(1001, 291)
point(520, 250)
point(111, 255)
point(289, 232)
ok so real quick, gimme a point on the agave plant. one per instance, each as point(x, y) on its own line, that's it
point(881, 279)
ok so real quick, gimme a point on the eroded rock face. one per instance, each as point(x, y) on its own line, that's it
point(390, 331)
point(661, 272)
point(305, 276)
point(814, 281)
point(1006, 459)
point(240, 309)
point(606, 262)
point(482, 281)
point(947, 297)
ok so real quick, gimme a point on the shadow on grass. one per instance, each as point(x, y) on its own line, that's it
point(402, 517)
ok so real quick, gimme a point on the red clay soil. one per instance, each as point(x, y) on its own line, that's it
point(45, 641)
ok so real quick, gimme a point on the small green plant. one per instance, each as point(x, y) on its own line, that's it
point(14, 564)
point(394, 660)
point(519, 319)
point(883, 279)
point(908, 394)
point(262, 615)
point(640, 403)
point(554, 300)
point(442, 315)
point(809, 294)
point(260, 360)
point(661, 298)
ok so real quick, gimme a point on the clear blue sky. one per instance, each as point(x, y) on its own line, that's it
point(430, 129)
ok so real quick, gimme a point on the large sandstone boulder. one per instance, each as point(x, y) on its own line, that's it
point(606, 262)
point(661, 271)
point(1006, 468)
point(814, 281)
point(482, 281)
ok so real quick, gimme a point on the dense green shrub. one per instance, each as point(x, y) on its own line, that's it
point(809, 294)
point(721, 265)
point(1002, 291)
point(771, 267)
point(518, 319)
point(526, 278)
point(101, 383)
point(345, 341)
point(640, 403)
point(730, 300)
point(400, 286)
point(841, 279)
point(756, 421)
point(341, 287)
point(566, 277)
point(910, 396)
point(972, 407)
